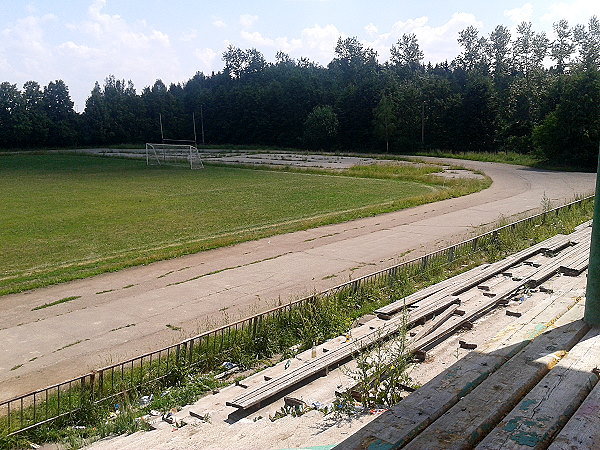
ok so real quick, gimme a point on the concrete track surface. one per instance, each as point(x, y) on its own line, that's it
point(123, 314)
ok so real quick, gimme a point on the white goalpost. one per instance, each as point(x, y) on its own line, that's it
point(173, 154)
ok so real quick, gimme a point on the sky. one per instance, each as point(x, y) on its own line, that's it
point(84, 41)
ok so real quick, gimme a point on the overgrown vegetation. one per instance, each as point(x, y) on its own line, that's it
point(65, 217)
point(380, 376)
point(521, 159)
point(174, 382)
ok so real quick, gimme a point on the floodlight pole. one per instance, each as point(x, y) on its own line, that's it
point(592, 297)
point(202, 123)
point(194, 122)
point(162, 136)
point(423, 124)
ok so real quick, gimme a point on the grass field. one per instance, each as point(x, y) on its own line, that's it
point(64, 217)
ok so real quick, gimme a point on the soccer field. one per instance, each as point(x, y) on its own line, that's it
point(65, 216)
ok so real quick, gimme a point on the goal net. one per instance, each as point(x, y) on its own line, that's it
point(173, 154)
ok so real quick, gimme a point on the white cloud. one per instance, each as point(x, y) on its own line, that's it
point(280, 43)
point(189, 35)
point(81, 51)
point(207, 57)
point(247, 20)
point(371, 29)
point(575, 11)
point(318, 43)
point(113, 29)
point(27, 39)
point(438, 43)
point(257, 39)
point(218, 23)
point(522, 14)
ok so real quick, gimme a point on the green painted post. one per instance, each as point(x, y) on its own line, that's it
point(592, 298)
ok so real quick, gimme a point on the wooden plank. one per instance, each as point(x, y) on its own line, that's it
point(465, 281)
point(583, 226)
point(553, 245)
point(558, 241)
point(548, 270)
point(405, 420)
point(466, 423)
point(426, 292)
point(576, 264)
point(582, 431)
point(583, 231)
point(491, 282)
point(428, 328)
point(548, 406)
point(430, 307)
point(474, 309)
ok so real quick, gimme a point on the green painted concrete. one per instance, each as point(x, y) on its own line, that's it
point(592, 300)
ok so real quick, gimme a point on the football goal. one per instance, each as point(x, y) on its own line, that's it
point(173, 154)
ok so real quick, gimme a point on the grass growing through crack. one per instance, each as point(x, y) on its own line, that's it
point(179, 380)
point(57, 302)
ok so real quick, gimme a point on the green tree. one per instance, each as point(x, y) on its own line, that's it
point(477, 118)
point(11, 109)
point(406, 53)
point(61, 115)
point(561, 50)
point(385, 120)
point(37, 122)
point(320, 128)
point(499, 55)
point(240, 63)
point(352, 61)
point(588, 43)
point(570, 134)
point(530, 49)
point(408, 99)
point(474, 56)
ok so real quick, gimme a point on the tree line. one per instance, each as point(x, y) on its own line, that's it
point(524, 92)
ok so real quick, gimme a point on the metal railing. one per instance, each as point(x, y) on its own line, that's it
point(29, 410)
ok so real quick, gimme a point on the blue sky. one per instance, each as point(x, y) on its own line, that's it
point(83, 41)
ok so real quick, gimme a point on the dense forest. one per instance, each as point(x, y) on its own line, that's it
point(525, 92)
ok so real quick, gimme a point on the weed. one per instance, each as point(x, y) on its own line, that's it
point(57, 302)
point(289, 410)
point(381, 373)
point(124, 326)
point(70, 345)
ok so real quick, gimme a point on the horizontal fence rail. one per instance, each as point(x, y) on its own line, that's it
point(29, 410)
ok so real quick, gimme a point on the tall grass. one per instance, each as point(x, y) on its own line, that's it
point(521, 159)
